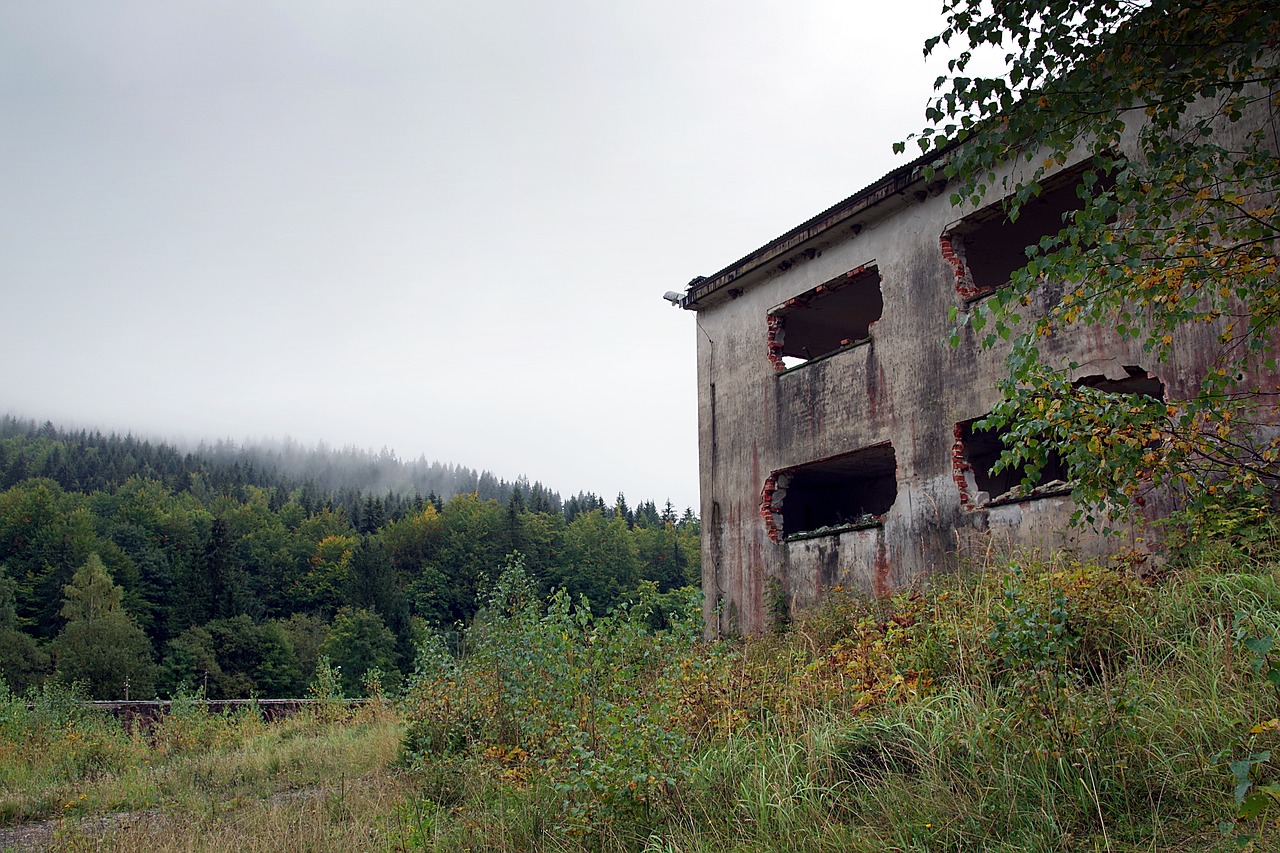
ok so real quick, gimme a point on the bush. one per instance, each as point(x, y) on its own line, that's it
point(1037, 704)
point(552, 695)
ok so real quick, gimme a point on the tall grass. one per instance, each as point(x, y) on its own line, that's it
point(61, 760)
point(1034, 704)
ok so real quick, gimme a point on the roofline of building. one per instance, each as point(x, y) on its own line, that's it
point(890, 185)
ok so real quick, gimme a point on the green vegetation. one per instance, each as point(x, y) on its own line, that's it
point(128, 566)
point(570, 702)
point(65, 761)
point(100, 644)
point(1171, 107)
point(1034, 704)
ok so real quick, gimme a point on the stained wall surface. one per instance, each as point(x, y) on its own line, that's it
point(763, 423)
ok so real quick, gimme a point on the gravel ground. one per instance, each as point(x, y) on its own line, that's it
point(42, 834)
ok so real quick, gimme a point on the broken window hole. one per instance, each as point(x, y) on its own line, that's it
point(1137, 381)
point(845, 492)
point(977, 450)
point(833, 317)
point(975, 456)
point(985, 248)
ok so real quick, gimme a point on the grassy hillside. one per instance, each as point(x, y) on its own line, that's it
point(1034, 704)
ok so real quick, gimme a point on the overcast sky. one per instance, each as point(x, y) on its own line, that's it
point(439, 227)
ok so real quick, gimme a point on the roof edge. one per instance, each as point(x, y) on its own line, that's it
point(892, 184)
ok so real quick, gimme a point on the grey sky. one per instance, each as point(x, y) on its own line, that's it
point(439, 227)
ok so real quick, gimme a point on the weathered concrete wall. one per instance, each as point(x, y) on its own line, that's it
point(905, 386)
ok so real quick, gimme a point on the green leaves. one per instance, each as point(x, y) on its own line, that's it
point(1253, 801)
point(1183, 234)
point(1260, 648)
point(101, 646)
point(1262, 798)
point(548, 690)
point(1034, 637)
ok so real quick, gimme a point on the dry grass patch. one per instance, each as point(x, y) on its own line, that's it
point(235, 764)
point(354, 813)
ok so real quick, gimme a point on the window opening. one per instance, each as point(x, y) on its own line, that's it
point(977, 453)
point(1137, 381)
point(977, 450)
point(832, 317)
point(985, 249)
point(842, 493)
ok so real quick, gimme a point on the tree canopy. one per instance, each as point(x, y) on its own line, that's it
point(101, 646)
point(117, 555)
point(1171, 105)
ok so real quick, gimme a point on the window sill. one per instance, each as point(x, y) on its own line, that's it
point(981, 294)
point(1053, 489)
point(826, 355)
point(836, 529)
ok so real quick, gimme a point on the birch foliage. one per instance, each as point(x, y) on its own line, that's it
point(1173, 107)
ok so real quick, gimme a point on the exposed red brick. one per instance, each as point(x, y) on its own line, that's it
point(775, 345)
point(766, 507)
point(881, 569)
point(964, 282)
point(959, 467)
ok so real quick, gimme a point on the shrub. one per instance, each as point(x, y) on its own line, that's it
point(552, 695)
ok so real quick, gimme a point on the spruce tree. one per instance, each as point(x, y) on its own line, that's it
point(22, 663)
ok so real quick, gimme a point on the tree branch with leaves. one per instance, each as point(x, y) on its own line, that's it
point(1173, 108)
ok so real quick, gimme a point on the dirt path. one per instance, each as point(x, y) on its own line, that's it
point(43, 835)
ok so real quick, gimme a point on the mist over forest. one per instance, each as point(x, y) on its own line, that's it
point(361, 469)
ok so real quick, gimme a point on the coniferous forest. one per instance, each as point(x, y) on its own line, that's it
point(134, 567)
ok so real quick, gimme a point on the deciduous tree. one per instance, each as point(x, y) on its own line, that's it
point(600, 559)
point(359, 641)
point(1172, 104)
point(101, 646)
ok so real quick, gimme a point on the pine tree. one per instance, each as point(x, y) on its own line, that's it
point(515, 511)
point(373, 586)
point(22, 663)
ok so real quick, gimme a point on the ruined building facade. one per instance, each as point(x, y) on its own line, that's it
point(835, 422)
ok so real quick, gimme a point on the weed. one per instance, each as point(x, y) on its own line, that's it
point(1045, 705)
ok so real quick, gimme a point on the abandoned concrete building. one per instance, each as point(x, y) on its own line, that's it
point(835, 423)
